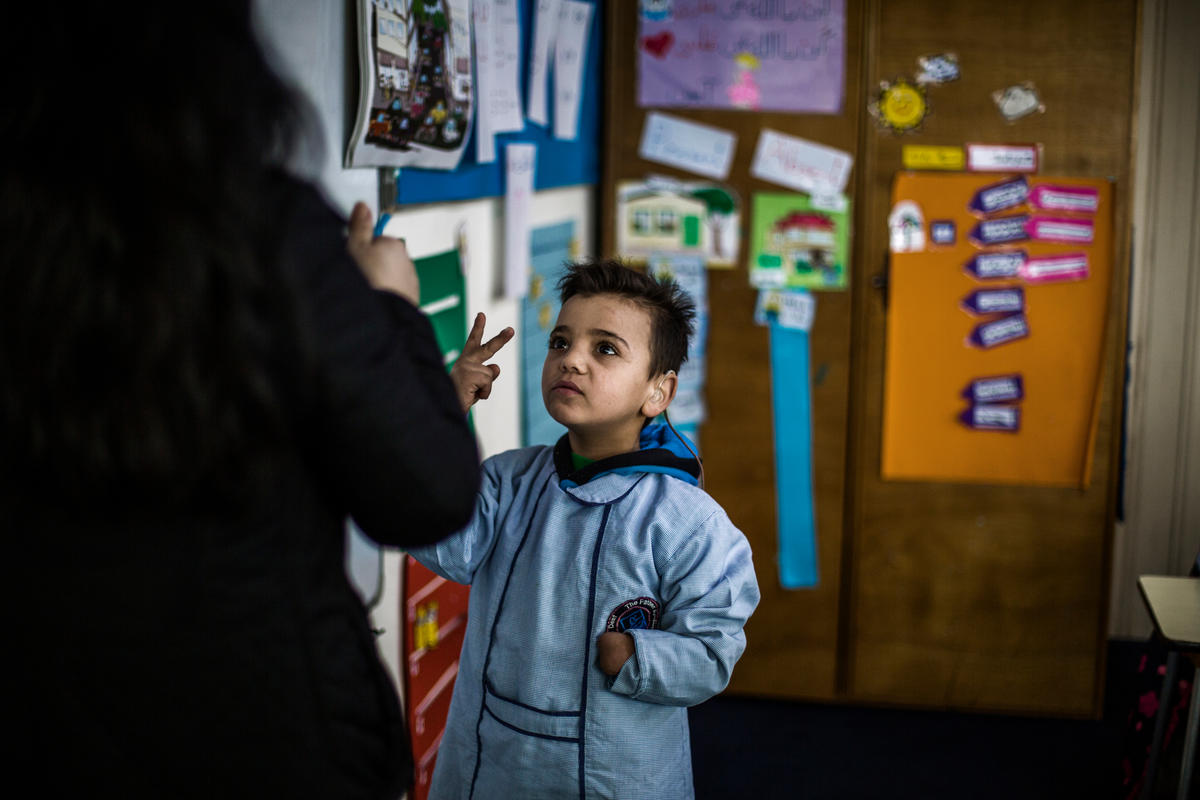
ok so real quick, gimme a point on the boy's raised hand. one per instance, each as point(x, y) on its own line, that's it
point(472, 378)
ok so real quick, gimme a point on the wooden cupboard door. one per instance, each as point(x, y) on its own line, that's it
point(972, 596)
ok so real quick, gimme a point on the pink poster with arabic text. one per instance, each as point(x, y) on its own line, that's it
point(758, 55)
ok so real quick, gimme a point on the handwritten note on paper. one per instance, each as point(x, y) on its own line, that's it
point(505, 105)
point(757, 55)
point(545, 33)
point(482, 13)
point(518, 194)
point(687, 145)
point(570, 56)
point(800, 164)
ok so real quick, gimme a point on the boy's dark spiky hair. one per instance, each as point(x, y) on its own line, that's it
point(672, 312)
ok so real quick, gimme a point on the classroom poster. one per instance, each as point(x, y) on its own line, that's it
point(560, 162)
point(550, 247)
point(415, 87)
point(797, 245)
point(998, 299)
point(761, 56)
point(660, 215)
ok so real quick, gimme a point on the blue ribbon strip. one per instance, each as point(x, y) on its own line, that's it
point(791, 406)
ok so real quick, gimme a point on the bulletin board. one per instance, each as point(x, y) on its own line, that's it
point(939, 593)
point(559, 162)
point(931, 362)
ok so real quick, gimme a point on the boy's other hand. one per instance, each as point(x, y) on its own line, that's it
point(472, 378)
point(383, 259)
point(612, 651)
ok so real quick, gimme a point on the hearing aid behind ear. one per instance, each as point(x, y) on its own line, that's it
point(658, 393)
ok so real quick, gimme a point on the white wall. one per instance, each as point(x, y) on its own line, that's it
point(1161, 531)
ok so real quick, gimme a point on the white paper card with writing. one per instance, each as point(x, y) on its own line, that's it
point(1002, 158)
point(791, 309)
point(545, 33)
point(687, 145)
point(505, 102)
point(570, 56)
point(482, 13)
point(800, 164)
point(518, 194)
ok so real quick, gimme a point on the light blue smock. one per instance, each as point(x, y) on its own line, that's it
point(551, 564)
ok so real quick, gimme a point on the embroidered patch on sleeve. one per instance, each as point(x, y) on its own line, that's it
point(637, 614)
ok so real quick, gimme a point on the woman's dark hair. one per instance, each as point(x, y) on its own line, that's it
point(139, 298)
point(672, 312)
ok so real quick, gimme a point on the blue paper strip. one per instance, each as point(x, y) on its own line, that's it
point(550, 248)
point(791, 407)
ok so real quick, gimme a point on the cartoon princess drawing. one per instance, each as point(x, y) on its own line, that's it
point(744, 92)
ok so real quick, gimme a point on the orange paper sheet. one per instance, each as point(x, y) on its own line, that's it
point(929, 363)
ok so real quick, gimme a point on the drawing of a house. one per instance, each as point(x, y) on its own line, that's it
point(804, 241)
point(654, 221)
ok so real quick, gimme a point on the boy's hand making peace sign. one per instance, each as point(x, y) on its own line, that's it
point(473, 378)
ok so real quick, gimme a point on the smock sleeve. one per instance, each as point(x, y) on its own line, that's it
point(709, 591)
point(459, 556)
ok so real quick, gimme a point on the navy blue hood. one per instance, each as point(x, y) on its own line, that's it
point(661, 450)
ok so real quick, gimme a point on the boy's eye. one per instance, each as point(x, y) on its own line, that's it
point(558, 343)
point(604, 348)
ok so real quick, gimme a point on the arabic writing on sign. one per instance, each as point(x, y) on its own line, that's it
point(779, 55)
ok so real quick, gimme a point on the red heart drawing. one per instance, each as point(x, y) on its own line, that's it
point(659, 44)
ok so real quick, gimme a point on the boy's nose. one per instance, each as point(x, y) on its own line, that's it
point(572, 360)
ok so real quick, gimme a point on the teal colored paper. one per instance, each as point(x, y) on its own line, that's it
point(791, 406)
point(550, 249)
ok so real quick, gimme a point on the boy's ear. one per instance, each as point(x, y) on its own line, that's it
point(662, 395)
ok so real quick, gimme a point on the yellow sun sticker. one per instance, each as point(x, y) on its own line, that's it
point(901, 105)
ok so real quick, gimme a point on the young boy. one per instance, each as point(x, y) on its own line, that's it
point(609, 591)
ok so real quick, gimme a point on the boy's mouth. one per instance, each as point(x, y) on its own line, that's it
point(566, 387)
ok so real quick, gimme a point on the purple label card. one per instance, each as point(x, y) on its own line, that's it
point(995, 389)
point(1054, 269)
point(996, 265)
point(1077, 199)
point(1056, 229)
point(999, 231)
point(992, 418)
point(999, 331)
point(943, 231)
point(995, 301)
point(1000, 196)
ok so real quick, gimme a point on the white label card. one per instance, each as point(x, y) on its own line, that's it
point(1002, 158)
point(570, 56)
point(518, 194)
point(505, 102)
point(800, 164)
point(791, 308)
point(687, 145)
point(545, 32)
point(482, 13)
